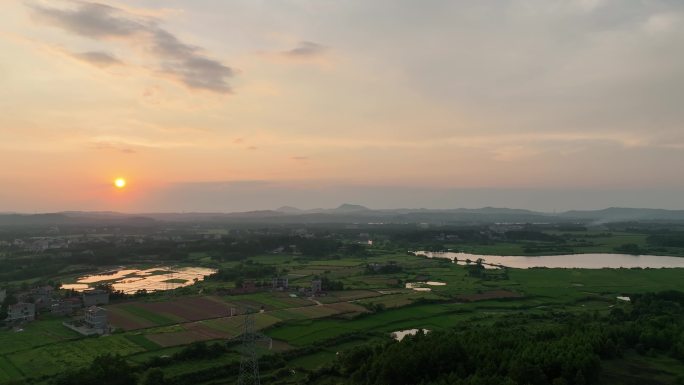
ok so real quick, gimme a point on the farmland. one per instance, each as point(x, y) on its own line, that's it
point(149, 328)
point(365, 299)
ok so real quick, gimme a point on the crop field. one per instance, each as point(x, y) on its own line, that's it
point(183, 337)
point(306, 332)
point(541, 287)
point(569, 284)
point(399, 299)
point(323, 356)
point(371, 306)
point(233, 326)
point(321, 311)
point(348, 295)
point(51, 359)
point(139, 315)
point(267, 300)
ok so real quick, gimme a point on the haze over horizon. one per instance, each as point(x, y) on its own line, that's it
point(243, 197)
point(242, 105)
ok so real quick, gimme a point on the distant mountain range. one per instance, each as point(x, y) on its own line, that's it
point(350, 213)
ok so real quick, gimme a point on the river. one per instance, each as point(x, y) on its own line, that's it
point(568, 261)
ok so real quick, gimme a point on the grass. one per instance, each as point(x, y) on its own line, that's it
point(145, 356)
point(312, 361)
point(633, 369)
point(140, 340)
point(570, 284)
point(181, 368)
point(8, 371)
point(35, 334)
point(273, 259)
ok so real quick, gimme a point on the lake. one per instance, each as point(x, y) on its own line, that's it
point(568, 261)
point(131, 280)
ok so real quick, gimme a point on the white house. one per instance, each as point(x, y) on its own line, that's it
point(96, 318)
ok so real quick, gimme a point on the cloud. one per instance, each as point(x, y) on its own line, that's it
point(113, 146)
point(98, 59)
point(306, 49)
point(299, 158)
point(182, 62)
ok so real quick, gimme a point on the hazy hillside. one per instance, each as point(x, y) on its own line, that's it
point(349, 213)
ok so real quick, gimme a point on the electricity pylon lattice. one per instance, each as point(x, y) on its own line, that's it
point(249, 364)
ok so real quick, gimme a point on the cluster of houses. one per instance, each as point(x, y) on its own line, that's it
point(282, 284)
point(43, 299)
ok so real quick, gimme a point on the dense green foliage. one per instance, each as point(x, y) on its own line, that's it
point(560, 349)
point(550, 349)
point(104, 370)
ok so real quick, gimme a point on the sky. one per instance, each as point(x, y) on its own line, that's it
point(222, 105)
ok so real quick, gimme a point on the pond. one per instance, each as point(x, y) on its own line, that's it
point(420, 286)
point(131, 280)
point(568, 261)
point(400, 334)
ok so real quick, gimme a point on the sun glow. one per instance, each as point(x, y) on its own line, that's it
point(120, 182)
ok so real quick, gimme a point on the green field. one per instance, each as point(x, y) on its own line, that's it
point(53, 358)
point(35, 334)
point(369, 308)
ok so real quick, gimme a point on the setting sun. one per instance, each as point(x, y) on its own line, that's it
point(120, 183)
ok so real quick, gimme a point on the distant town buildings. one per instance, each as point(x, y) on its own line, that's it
point(42, 297)
point(95, 298)
point(66, 306)
point(280, 283)
point(316, 286)
point(249, 286)
point(21, 312)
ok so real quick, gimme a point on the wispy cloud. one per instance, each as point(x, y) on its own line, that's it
point(112, 146)
point(182, 62)
point(306, 49)
point(98, 59)
point(132, 145)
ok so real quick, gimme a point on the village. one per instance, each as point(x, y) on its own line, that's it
point(86, 313)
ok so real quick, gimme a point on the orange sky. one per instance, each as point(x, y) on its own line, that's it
point(446, 95)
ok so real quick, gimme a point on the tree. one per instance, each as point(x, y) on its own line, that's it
point(107, 369)
point(153, 376)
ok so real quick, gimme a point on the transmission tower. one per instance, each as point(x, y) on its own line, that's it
point(249, 365)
